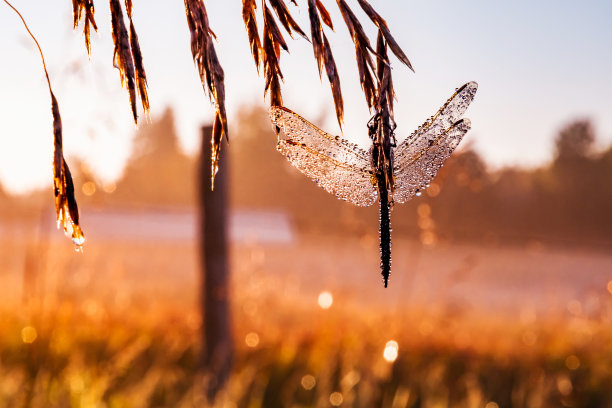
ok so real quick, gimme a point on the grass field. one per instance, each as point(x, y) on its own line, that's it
point(460, 326)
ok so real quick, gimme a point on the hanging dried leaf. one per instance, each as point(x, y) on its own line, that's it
point(325, 15)
point(66, 208)
point(315, 33)
point(334, 80)
point(250, 23)
point(363, 53)
point(271, 55)
point(384, 29)
point(285, 18)
point(273, 29)
point(211, 72)
point(84, 9)
point(65, 201)
point(141, 76)
point(386, 94)
point(122, 56)
point(216, 136)
point(128, 8)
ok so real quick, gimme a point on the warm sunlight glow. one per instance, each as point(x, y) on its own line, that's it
point(610, 287)
point(308, 382)
point(325, 300)
point(28, 334)
point(574, 307)
point(252, 339)
point(391, 350)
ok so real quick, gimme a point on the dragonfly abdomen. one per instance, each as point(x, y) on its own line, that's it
point(385, 236)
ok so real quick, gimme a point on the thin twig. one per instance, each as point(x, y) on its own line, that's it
point(42, 57)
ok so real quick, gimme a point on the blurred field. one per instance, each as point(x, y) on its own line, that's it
point(476, 326)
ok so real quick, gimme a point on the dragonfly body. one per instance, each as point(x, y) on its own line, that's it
point(387, 173)
point(383, 142)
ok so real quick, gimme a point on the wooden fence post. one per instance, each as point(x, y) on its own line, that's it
point(217, 334)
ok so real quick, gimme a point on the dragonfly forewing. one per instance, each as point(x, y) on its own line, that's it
point(336, 165)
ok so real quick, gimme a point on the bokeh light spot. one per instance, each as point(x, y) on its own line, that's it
point(610, 287)
point(428, 238)
point(433, 190)
point(391, 351)
point(325, 300)
point(564, 385)
point(110, 188)
point(336, 399)
point(89, 188)
point(252, 339)
point(308, 382)
point(572, 362)
point(28, 334)
point(424, 210)
point(491, 404)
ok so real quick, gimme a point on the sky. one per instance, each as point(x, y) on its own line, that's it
point(539, 65)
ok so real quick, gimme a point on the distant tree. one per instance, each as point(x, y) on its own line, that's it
point(158, 173)
point(575, 140)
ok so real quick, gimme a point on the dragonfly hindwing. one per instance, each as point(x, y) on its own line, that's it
point(335, 164)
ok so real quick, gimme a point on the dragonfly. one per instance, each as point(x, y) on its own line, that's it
point(388, 172)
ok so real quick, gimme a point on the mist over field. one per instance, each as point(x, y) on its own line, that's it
point(500, 293)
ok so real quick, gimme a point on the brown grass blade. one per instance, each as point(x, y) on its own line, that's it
point(84, 9)
point(334, 80)
point(383, 72)
point(363, 53)
point(273, 29)
point(216, 136)
point(285, 18)
point(271, 55)
point(384, 29)
point(141, 76)
point(250, 23)
point(128, 8)
point(366, 79)
point(211, 72)
point(354, 26)
point(325, 15)
point(315, 33)
point(122, 57)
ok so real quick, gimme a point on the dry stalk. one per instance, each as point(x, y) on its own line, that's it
point(211, 73)
point(323, 53)
point(84, 9)
point(141, 76)
point(250, 22)
point(66, 208)
point(122, 56)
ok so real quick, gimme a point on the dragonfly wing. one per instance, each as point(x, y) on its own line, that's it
point(335, 164)
point(417, 170)
point(420, 156)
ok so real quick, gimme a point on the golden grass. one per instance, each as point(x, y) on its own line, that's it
point(119, 327)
